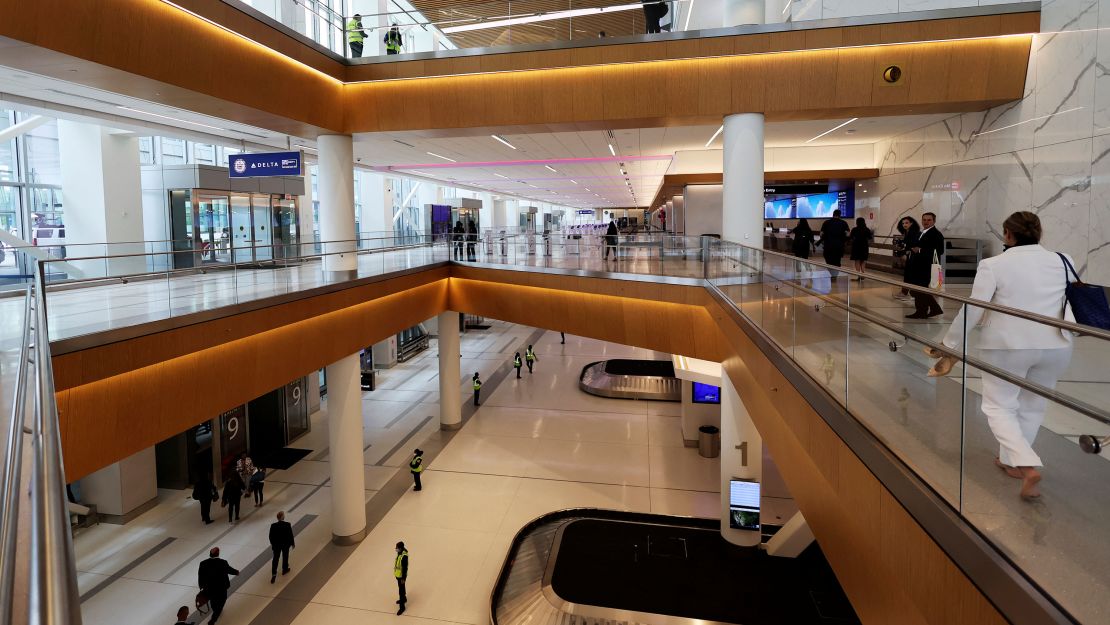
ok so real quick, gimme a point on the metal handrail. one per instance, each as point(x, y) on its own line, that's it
point(12, 470)
point(1022, 314)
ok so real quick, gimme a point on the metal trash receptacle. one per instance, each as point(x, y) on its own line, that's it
point(709, 441)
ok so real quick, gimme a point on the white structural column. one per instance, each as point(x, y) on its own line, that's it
point(738, 12)
point(742, 218)
point(450, 399)
point(306, 232)
point(741, 457)
point(336, 184)
point(102, 196)
point(348, 491)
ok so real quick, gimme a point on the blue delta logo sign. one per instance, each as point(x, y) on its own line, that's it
point(261, 165)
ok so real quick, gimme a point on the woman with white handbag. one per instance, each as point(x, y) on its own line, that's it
point(1027, 277)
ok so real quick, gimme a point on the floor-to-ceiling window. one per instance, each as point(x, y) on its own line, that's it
point(31, 210)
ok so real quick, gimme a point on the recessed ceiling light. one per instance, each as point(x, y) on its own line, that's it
point(176, 119)
point(833, 129)
point(503, 140)
point(611, 150)
point(443, 157)
point(549, 167)
point(500, 176)
point(711, 139)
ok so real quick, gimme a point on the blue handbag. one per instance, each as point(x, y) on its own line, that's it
point(1088, 301)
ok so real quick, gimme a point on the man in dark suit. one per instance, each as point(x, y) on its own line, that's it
point(233, 496)
point(205, 492)
point(182, 614)
point(212, 577)
point(281, 541)
point(834, 233)
point(919, 267)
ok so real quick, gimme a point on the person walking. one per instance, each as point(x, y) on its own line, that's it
point(909, 231)
point(562, 339)
point(416, 467)
point(281, 541)
point(611, 234)
point(834, 233)
point(654, 11)
point(257, 483)
point(355, 35)
point(861, 237)
point(530, 358)
point(516, 364)
point(1028, 277)
point(244, 466)
point(183, 616)
point(457, 235)
point(476, 383)
point(233, 496)
point(471, 242)
point(930, 244)
point(392, 40)
point(803, 239)
point(212, 577)
point(206, 492)
point(401, 573)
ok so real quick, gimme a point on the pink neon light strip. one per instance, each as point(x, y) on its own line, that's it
point(554, 161)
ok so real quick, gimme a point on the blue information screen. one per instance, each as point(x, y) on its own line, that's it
point(265, 164)
point(706, 394)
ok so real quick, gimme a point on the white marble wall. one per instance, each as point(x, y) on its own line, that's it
point(1048, 153)
point(825, 9)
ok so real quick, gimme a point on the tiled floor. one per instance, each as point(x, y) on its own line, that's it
point(536, 445)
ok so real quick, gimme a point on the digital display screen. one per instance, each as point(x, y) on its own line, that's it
point(743, 504)
point(813, 206)
point(706, 393)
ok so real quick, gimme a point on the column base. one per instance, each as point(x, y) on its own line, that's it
point(450, 427)
point(340, 276)
point(346, 541)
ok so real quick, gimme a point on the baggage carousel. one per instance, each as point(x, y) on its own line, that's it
point(652, 380)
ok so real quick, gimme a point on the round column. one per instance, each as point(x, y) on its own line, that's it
point(741, 457)
point(742, 218)
point(450, 399)
point(348, 490)
point(336, 184)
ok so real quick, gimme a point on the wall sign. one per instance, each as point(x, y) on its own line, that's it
point(264, 164)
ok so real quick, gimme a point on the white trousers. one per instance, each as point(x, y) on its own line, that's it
point(1013, 413)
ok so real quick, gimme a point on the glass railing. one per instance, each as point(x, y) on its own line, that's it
point(853, 337)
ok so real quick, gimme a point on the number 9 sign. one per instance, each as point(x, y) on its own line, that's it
point(296, 394)
point(232, 428)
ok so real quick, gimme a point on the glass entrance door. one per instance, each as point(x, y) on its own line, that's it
point(242, 235)
point(285, 227)
point(263, 231)
point(214, 225)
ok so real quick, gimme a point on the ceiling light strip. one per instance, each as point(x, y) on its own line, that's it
point(443, 157)
point(832, 130)
point(503, 140)
point(715, 135)
point(176, 119)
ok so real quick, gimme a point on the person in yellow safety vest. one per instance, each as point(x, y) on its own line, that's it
point(516, 364)
point(477, 384)
point(355, 35)
point(416, 466)
point(393, 40)
point(401, 573)
point(530, 356)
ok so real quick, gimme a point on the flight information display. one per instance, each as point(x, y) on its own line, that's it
point(813, 206)
point(743, 503)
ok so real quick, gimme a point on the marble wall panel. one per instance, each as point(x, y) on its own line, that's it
point(1060, 15)
point(1098, 239)
point(957, 138)
point(1065, 90)
point(969, 198)
point(909, 151)
point(805, 10)
point(1009, 189)
point(1062, 195)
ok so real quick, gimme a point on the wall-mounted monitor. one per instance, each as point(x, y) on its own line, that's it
point(706, 394)
point(810, 206)
point(743, 504)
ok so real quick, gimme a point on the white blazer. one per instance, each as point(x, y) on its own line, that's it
point(1026, 277)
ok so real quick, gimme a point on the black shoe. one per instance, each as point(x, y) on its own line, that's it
point(208, 521)
point(916, 316)
point(273, 578)
point(284, 571)
point(935, 313)
point(402, 610)
point(416, 488)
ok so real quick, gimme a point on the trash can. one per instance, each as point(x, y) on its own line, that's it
point(709, 441)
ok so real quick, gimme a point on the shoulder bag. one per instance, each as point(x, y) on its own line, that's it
point(1088, 301)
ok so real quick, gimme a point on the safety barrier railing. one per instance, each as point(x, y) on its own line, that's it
point(854, 339)
point(35, 541)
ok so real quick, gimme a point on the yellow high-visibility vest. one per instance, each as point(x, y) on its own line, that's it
point(417, 464)
point(397, 563)
point(354, 31)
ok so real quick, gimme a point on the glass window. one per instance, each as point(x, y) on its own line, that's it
point(173, 151)
point(146, 150)
point(44, 165)
point(8, 171)
point(204, 154)
point(223, 153)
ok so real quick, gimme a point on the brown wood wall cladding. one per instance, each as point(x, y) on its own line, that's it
point(150, 50)
point(891, 570)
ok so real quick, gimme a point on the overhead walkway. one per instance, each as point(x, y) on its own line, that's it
point(870, 445)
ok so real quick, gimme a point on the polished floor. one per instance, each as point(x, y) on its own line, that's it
point(536, 445)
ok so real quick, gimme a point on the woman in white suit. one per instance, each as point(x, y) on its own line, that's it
point(1027, 277)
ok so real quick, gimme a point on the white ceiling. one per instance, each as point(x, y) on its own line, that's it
point(643, 154)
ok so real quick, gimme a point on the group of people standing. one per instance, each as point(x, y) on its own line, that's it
point(247, 480)
point(356, 37)
point(460, 235)
point(835, 237)
point(529, 357)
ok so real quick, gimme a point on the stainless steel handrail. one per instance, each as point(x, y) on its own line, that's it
point(1051, 321)
point(13, 469)
point(53, 595)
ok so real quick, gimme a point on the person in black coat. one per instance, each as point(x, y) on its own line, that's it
point(919, 267)
point(909, 231)
point(458, 233)
point(471, 242)
point(834, 234)
point(611, 234)
point(212, 577)
point(860, 237)
point(654, 11)
point(183, 615)
point(281, 541)
point(803, 238)
point(233, 495)
point(205, 492)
